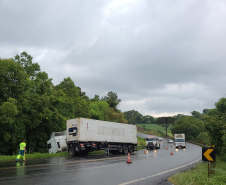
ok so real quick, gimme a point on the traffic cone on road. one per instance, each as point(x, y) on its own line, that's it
point(167, 147)
point(128, 159)
point(171, 152)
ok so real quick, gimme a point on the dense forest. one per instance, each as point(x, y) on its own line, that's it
point(32, 107)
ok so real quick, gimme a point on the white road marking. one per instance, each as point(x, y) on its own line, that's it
point(144, 178)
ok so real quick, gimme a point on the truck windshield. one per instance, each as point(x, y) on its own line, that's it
point(150, 139)
point(179, 140)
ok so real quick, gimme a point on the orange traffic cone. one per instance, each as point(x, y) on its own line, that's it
point(171, 152)
point(167, 147)
point(128, 159)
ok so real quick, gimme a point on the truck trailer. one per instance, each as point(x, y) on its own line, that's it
point(87, 135)
point(179, 140)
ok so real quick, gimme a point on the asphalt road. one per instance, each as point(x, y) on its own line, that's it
point(152, 168)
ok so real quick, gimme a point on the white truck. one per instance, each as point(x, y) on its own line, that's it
point(179, 140)
point(57, 142)
point(86, 135)
point(152, 143)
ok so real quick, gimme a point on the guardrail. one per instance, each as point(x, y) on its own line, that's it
point(199, 144)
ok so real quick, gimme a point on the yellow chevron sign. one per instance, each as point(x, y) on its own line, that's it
point(208, 154)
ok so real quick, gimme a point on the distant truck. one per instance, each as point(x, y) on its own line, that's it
point(87, 135)
point(152, 143)
point(179, 140)
point(57, 142)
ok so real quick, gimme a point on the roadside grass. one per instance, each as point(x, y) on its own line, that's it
point(141, 140)
point(158, 133)
point(199, 175)
point(154, 127)
point(33, 156)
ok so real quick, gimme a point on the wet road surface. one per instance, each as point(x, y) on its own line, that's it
point(152, 168)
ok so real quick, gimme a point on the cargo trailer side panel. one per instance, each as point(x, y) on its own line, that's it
point(99, 131)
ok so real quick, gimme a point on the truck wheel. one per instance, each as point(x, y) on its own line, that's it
point(72, 151)
point(130, 148)
point(125, 149)
point(120, 149)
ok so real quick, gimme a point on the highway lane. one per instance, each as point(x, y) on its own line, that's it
point(152, 168)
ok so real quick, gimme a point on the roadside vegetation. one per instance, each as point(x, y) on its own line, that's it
point(198, 175)
point(141, 141)
point(33, 156)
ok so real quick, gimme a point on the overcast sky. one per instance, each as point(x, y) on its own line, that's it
point(162, 57)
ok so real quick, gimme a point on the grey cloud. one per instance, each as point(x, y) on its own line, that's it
point(137, 49)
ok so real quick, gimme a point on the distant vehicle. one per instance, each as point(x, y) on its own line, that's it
point(170, 141)
point(179, 140)
point(57, 142)
point(160, 139)
point(152, 143)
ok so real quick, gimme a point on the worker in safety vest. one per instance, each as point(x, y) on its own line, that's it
point(22, 151)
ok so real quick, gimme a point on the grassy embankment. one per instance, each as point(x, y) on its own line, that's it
point(33, 156)
point(154, 129)
point(199, 175)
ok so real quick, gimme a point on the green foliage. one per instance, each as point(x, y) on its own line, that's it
point(32, 107)
point(188, 125)
point(205, 111)
point(165, 122)
point(203, 137)
point(196, 114)
point(114, 116)
point(97, 110)
point(133, 117)
point(154, 127)
point(112, 99)
point(215, 124)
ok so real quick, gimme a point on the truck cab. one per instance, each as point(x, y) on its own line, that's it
point(152, 143)
point(179, 141)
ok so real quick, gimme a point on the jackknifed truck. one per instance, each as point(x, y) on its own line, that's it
point(87, 135)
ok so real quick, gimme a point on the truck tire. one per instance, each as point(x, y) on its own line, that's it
point(72, 151)
point(120, 149)
point(130, 148)
point(77, 150)
point(125, 149)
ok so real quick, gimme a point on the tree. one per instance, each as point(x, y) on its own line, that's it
point(147, 119)
point(133, 117)
point(114, 116)
point(205, 111)
point(8, 128)
point(97, 110)
point(196, 114)
point(188, 125)
point(165, 121)
point(112, 100)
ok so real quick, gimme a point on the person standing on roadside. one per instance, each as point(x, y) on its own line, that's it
point(106, 146)
point(22, 151)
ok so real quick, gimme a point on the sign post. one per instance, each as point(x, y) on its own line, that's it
point(209, 155)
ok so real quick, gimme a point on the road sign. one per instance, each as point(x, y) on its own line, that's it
point(208, 154)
